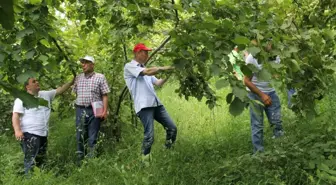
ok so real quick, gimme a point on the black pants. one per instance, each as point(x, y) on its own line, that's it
point(34, 148)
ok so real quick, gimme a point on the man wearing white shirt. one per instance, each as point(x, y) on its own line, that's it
point(262, 91)
point(140, 81)
point(31, 125)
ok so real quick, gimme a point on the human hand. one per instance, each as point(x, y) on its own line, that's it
point(104, 115)
point(19, 135)
point(266, 99)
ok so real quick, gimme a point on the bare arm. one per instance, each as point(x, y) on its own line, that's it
point(161, 82)
point(264, 97)
point(155, 70)
point(64, 87)
point(105, 104)
point(16, 125)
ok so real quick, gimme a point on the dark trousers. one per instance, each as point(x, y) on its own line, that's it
point(34, 148)
point(87, 128)
point(160, 114)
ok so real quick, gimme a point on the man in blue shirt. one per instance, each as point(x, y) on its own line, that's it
point(140, 81)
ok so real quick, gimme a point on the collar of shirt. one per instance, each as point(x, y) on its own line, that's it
point(90, 75)
point(137, 63)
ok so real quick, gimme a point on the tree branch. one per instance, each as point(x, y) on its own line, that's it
point(65, 56)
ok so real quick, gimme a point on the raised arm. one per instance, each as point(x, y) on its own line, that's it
point(64, 87)
point(155, 70)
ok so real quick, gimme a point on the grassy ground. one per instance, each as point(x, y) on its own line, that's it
point(212, 147)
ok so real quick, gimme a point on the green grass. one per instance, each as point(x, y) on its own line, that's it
point(212, 147)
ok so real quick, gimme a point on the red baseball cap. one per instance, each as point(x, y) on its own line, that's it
point(141, 46)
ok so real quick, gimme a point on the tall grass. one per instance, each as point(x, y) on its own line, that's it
point(212, 147)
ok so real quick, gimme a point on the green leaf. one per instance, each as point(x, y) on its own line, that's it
point(222, 83)
point(294, 65)
point(2, 57)
point(215, 69)
point(24, 32)
point(29, 101)
point(45, 43)
point(236, 107)
point(35, 2)
point(264, 75)
point(229, 98)
point(253, 50)
point(241, 40)
point(180, 63)
point(239, 92)
point(246, 70)
point(275, 65)
point(30, 54)
point(330, 34)
point(24, 76)
point(178, 7)
point(227, 23)
point(7, 14)
point(43, 58)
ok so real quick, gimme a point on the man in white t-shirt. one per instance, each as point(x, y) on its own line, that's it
point(262, 91)
point(31, 125)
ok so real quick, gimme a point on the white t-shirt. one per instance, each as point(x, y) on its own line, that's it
point(35, 120)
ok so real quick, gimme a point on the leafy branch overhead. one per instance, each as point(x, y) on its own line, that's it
point(47, 37)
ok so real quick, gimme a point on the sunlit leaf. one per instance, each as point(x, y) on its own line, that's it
point(45, 43)
point(35, 2)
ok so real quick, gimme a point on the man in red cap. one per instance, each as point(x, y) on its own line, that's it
point(140, 81)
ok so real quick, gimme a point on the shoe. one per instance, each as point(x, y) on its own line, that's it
point(278, 134)
point(169, 144)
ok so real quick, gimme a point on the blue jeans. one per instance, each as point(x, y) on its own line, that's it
point(87, 128)
point(160, 114)
point(34, 148)
point(273, 114)
point(290, 93)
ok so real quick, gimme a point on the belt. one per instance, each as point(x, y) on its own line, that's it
point(84, 107)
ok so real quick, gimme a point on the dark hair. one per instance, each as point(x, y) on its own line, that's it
point(26, 83)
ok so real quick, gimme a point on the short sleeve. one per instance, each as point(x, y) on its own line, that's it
point(50, 94)
point(133, 69)
point(251, 60)
point(18, 106)
point(154, 79)
point(104, 88)
point(74, 88)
